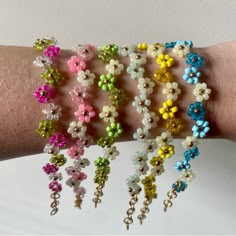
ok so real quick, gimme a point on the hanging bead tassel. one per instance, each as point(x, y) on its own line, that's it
point(144, 210)
point(55, 196)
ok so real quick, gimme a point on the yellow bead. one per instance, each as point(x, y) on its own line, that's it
point(142, 46)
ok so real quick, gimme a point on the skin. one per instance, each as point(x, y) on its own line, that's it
point(20, 112)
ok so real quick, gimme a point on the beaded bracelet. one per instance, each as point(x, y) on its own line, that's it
point(196, 111)
point(109, 114)
point(150, 119)
point(84, 113)
point(47, 127)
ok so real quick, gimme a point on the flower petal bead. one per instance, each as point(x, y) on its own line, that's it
point(145, 86)
point(135, 71)
point(157, 161)
point(108, 114)
point(55, 176)
point(75, 64)
point(86, 78)
point(44, 94)
point(85, 142)
point(58, 140)
point(106, 141)
point(114, 67)
point(42, 62)
point(201, 128)
point(75, 152)
point(156, 49)
point(41, 44)
point(46, 128)
point(181, 49)
point(58, 160)
point(50, 168)
point(85, 113)
point(191, 75)
point(201, 92)
point(182, 165)
point(55, 186)
point(190, 142)
point(51, 51)
point(196, 111)
point(114, 129)
point(132, 180)
point(141, 169)
point(141, 103)
point(77, 129)
point(166, 151)
point(108, 52)
point(186, 176)
point(157, 170)
point(125, 50)
point(52, 76)
point(163, 75)
point(150, 120)
point(191, 153)
point(179, 186)
point(141, 134)
point(51, 149)
point(85, 52)
point(174, 125)
point(79, 94)
point(117, 97)
point(164, 139)
point(149, 145)
point(81, 163)
point(53, 112)
point(111, 153)
point(172, 91)
point(106, 82)
point(195, 60)
point(164, 60)
point(137, 58)
point(139, 157)
point(167, 111)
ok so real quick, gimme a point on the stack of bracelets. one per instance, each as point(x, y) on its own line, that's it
point(143, 180)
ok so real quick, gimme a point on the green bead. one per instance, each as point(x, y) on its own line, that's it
point(101, 162)
point(41, 44)
point(114, 130)
point(58, 160)
point(46, 128)
point(105, 141)
point(117, 97)
point(106, 82)
point(52, 76)
point(108, 52)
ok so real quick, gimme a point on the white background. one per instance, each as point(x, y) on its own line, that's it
point(207, 207)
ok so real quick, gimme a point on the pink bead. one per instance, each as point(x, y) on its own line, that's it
point(55, 186)
point(75, 152)
point(51, 51)
point(86, 52)
point(78, 94)
point(50, 168)
point(59, 140)
point(85, 113)
point(86, 141)
point(76, 64)
point(44, 94)
point(70, 170)
point(80, 176)
point(79, 190)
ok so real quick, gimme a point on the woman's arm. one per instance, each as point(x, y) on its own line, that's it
point(20, 112)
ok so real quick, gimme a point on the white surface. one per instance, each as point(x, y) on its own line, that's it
point(207, 207)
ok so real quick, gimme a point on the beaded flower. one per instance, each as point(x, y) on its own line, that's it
point(141, 169)
point(134, 179)
point(135, 71)
point(157, 170)
point(51, 149)
point(166, 151)
point(55, 176)
point(114, 67)
point(179, 186)
point(150, 120)
point(52, 76)
point(108, 113)
point(52, 112)
point(141, 134)
point(86, 78)
point(190, 142)
point(55, 186)
point(201, 92)
point(156, 49)
point(137, 58)
point(114, 129)
point(42, 61)
point(145, 86)
point(196, 111)
point(41, 44)
point(139, 157)
point(108, 52)
point(106, 141)
point(58, 140)
point(163, 75)
point(58, 159)
point(167, 111)
point(187, 176)
point(182, 165)
point(191, 153)
point(44, 94)
point(51, 51)
point(174, 125)
point(75, 152)
point(76, 64)
point(46, 128)
point(164, 139)
point(85, 52)
point(50, 168)
point(85, 142)
point(78, 94)
point(157, 161)
point(77, 129)
point(84, 113)
point(82, 163)
point(171, 90)
point(191, 75)
point(141, 102)
point(201, 128)
point(106, 82)
point(125, 50)
point(149, 145)
point(164, 60)
point(181, 49)
point(111, 153)
point(194, 59)
point(117, 97)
